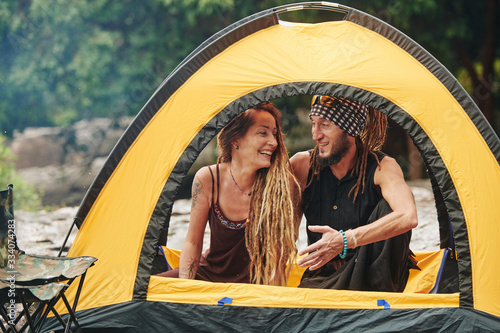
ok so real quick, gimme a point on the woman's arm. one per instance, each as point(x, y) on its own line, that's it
point(200, 205)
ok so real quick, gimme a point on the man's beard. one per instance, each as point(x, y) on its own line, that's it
point(337, 152)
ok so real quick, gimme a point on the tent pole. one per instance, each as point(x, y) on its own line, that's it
point(313, 5)
point(67, 236)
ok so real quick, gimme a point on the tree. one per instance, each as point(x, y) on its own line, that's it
point(26, 194)
point(461, 34)
point(65, 61)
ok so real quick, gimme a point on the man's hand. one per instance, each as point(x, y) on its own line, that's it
point(324, 250)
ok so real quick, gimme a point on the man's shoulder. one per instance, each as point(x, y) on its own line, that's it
point(376, 158)
point(380, 154)
point(301, 157)
point(300, 167)
point(383, 158)
point(301, 161)
point(388, 169)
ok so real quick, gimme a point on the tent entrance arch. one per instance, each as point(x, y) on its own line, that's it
point(257, 59)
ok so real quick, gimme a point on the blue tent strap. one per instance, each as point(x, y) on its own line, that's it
point(439, 276)
point(448, 252)
point(160, 248)
point(225, 300)
point(383, 302)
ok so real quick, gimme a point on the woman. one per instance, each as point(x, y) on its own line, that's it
point(247, 199)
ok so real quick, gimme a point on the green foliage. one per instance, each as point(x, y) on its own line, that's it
point(435, 24)
point(64, 61)
point(26, 196)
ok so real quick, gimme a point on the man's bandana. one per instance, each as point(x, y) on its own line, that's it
point(347, 114)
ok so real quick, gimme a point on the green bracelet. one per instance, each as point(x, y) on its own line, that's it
point(343, 254)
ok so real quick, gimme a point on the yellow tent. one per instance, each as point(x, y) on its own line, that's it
point(261, 58)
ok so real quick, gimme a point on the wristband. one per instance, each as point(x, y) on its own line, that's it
point(354, 240)
point(343, 254)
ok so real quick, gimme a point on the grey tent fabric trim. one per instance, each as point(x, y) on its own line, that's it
point(148, 316)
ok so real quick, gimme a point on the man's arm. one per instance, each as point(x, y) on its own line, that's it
point(403, 218)
point(300, 168)
point(399, 196)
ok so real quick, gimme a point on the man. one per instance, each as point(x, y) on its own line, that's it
point(358, 207)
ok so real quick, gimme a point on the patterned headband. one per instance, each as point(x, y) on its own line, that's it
point(347, 114)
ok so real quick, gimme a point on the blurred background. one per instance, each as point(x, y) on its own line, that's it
point(73, 74)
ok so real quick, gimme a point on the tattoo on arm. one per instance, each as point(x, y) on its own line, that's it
point(197, 186)
point(189, 271)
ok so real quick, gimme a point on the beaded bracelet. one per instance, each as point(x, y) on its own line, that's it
point(343, 254)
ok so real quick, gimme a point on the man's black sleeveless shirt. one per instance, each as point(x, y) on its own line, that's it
point(326, 201)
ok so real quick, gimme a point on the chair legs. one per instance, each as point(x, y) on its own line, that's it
point(30, 313)
point(72, 309)
point(35, 313)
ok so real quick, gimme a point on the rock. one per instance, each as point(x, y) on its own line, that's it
point(42, 232)
point(37, 147)
point(62, 162)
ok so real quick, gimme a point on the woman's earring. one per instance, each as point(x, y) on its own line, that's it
point(237, 147)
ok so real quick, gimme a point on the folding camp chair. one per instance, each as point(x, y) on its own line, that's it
point(31, 285)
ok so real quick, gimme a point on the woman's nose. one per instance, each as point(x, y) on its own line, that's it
point(273, 142)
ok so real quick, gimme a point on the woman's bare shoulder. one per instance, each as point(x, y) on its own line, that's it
point(203, 177)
